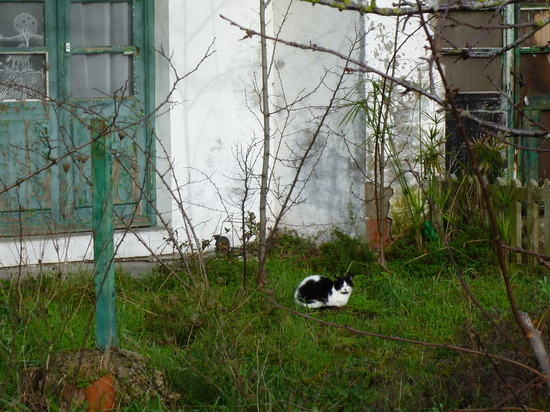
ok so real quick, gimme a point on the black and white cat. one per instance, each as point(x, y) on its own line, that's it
point(317, 291)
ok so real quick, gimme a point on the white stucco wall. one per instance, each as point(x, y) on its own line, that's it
point(212, 119)
point(333, 193)
point(219, 114)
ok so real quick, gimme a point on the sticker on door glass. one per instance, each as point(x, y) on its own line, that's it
point(22, 75)
point(22, 25)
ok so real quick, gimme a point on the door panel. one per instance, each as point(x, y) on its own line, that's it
point(106, 79)
point(18, 160)
point(129, 172)
point(533, 92)
point(26, 142)
point(84, 56)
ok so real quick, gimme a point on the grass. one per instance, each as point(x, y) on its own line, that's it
point(223, 349)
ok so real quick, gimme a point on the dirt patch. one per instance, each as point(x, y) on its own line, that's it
point(67, 375)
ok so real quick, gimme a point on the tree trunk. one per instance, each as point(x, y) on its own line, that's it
point(264, 189)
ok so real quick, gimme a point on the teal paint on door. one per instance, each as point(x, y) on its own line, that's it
point(532, 93)
point(64, 64)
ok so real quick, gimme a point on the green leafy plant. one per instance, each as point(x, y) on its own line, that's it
point(489, 154)
point(342, 254)
point(503, 200)
point(544, 288)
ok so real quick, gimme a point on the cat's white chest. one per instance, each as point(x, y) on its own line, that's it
point(339, 298)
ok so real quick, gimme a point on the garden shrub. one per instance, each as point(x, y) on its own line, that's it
point(343, 254)
point(472, 250)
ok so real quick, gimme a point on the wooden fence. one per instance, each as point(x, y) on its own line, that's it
point(528, 226)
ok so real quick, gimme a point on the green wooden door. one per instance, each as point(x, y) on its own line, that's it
point(70, 70)
point(533, 92)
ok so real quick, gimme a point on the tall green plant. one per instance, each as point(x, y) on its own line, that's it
point(427, 195)
point(431, 193)
point(503, 197)
point(374, 109)
point(489, 152)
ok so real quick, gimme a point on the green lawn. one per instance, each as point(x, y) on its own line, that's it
point(224, 349)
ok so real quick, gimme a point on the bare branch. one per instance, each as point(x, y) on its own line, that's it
point(409, 8)
point(405, 340)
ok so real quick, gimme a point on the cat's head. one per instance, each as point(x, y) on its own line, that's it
point(343, 284)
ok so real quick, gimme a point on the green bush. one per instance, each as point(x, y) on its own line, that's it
point(342, 254)
point(288, 243)
point(472, 250)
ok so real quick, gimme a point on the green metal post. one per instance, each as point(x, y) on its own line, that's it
point(104, 270)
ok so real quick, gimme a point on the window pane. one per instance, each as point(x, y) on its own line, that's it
point(21, 24)
point(534, 73)
point(542, 37)
point(472, 29)
point(22, 76)
point(473, 75)
point(101, 75)
point(100, 24)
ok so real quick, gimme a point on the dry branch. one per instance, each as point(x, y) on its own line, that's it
point(406, 8)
